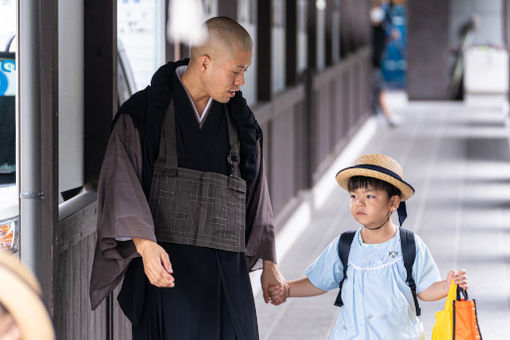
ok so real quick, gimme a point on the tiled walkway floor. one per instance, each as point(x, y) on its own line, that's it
point(458, 160)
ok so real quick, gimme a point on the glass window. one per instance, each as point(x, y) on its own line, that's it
point(278, 46)
point(247, 17)
point(70, 97)
point(140, 33)
point(9, 233)
point(302, 38)
point(335, 34)
point(210, 8)
point(321, 33)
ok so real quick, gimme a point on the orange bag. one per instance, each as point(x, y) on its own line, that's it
point(465, 320)
point(458, 319)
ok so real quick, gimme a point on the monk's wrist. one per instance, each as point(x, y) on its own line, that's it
point(268, 264)
point(141, 244)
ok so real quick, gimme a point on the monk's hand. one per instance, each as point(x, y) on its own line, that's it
point(279, 293)
point(271, 276)
point(156, 263)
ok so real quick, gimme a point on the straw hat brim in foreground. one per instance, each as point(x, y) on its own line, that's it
point(19, 294)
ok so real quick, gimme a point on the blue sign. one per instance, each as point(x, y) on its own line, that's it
point(7, 77)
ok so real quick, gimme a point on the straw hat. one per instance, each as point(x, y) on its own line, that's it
point(20, 295)
point(377, 166)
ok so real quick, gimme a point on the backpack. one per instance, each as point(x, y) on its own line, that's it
point(408, 245)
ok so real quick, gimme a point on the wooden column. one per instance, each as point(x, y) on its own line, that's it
point(169, 47)
point(264, 67)
point(329, 33)
point(291, 43)
point(49, 142)
point(428, 74)
point(227, 8)
point(346, 29)
point(312, 35)
point(309, 105)
point(100, 89)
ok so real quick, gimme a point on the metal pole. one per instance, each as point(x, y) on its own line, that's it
point(30, 136)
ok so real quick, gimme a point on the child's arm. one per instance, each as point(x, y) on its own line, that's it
point(439, 289)
point(301, 288)
point(297, 288)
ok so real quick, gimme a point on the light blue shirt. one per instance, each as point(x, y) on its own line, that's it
point(378, 304)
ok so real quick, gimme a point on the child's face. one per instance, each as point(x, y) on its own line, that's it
point(370, 207)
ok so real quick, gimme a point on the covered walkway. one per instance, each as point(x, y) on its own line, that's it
point(458, 160)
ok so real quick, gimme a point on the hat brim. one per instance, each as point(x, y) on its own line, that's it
point(19, 294)
point(342, 177)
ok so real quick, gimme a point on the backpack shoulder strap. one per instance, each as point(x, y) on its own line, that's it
point(408, 245)
point(344, 247)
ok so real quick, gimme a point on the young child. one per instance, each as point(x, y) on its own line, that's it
point(377, 301)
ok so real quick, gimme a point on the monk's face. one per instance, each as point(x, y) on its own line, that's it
point(226, 75)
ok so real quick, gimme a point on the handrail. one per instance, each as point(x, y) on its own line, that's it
point(77, 203)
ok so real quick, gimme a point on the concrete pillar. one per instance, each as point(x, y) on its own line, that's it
point(428, 49)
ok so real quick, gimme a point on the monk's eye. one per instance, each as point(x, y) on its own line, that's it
point(236, 73)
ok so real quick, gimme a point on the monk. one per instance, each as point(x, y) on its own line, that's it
point(184, 211)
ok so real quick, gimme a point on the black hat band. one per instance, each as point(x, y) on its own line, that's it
point(379, 169)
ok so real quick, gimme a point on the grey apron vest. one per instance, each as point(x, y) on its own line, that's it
point(192, 207)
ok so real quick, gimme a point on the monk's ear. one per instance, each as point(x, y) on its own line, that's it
point(204, 63)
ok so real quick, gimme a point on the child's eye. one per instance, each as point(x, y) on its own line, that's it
point(370, 196)
point(353, 197)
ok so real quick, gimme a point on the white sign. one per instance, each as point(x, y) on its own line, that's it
point(7, 22)
point(139, 28)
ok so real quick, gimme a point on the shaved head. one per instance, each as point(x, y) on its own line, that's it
point(217, 65)
point(225, 38)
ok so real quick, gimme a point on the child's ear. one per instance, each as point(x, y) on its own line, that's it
point(394, 202)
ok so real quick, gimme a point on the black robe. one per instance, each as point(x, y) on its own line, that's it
point(223, 306)
point(123, 212)
point(212, 298)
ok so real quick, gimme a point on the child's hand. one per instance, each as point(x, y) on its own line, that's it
point(279, 293)
point(459, 278)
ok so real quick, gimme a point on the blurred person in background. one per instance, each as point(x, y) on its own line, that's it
point(380, 20)
point(23, 315)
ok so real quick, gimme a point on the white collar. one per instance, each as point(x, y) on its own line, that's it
point(179, 71)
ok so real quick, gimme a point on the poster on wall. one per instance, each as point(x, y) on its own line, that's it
point(7, 22)
point(140, 27)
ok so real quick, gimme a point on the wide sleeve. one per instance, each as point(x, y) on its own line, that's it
point(122, 210)
point(259, 221)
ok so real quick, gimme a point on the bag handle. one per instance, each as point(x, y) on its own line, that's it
point(463, 292)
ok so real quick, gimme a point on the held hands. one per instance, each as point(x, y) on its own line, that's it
point(279, 293)
point(271, 277)
point(156, 263)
